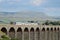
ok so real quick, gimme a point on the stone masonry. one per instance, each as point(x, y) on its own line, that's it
point(31, 32)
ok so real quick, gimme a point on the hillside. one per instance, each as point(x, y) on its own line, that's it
point(23, 16)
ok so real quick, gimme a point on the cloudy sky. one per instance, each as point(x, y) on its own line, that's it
point(50, 7)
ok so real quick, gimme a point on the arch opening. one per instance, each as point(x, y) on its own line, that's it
point(37, 29)
point(26, 30)
point(32, 30)
point(4, 30)
point(26, 34)
point(12, 32)
point(43, 33)
point(51, 33)
point(48, 33)
point(51, 29)
point(19, 30)
point(37, 34)
point(19, 34)
point(32, 34)
point(47, 29)
point(58, 29)
point(54, 29)
point(43, 29)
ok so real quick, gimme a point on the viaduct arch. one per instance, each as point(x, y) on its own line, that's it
point(3, 29)
point(12, 32)
point(31, 32)
point(19, 33)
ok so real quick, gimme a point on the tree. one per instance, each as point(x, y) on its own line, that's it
point(47, 22)
point(11, 22)
point(31, 21)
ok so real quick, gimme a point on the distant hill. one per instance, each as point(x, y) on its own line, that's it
point(24, 16)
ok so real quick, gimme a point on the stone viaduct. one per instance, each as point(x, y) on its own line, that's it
point(31, 32)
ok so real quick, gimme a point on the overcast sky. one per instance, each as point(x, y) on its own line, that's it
point(50, 7)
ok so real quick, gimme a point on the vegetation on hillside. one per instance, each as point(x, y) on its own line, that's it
point(51, 23)
point(4, 37)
